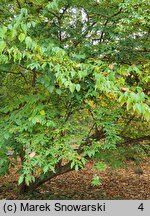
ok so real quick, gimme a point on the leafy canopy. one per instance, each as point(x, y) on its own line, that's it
point(74, 84)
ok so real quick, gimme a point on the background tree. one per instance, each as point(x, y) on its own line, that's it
point(74, 85)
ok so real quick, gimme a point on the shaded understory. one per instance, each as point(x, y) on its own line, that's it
point(116, 184)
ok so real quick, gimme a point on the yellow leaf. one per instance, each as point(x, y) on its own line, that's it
point(42, 112)
point(78, 157)
point(111, 66)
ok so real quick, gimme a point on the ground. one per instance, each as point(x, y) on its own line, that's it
point(116, 184)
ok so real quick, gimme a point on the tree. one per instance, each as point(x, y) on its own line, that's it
point(74, 85)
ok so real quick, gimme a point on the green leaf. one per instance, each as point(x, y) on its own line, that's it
point(58, 91)
point(3, 30)
point(129, 103)
point(33, 178)
point(51, 88)
point(28, 179)
point(78, 87)
point(96, 181)
point(20, 179)
point(53, 5)
point(147, 115)
point(76, 167)
point(28, 42)
point(45, 169)
point(21, 37)
point(6, 135)
point(72, 87)
point(122, 99)
point(100, 166)
point(82, 74)
point(36, 119)
point(2, 46)
point(72, 164)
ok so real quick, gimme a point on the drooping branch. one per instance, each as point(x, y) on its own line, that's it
point(48, 176)
point(18, 108)
point(54, 14)
point(131, 141)
point(59, 169)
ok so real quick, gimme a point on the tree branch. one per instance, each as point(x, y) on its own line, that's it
point(19, 5)
point(67, 167)
point(20, 73)
point(42, 179)
point(34, 79)
point(9, 72)
point(130, 141)
point(102, 34)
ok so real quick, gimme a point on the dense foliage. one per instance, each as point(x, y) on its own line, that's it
point(74, 85)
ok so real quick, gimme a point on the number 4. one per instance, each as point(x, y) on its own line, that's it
point(141, 207)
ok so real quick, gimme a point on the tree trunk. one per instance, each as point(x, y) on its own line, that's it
point(23, 188)
point(44, 178)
